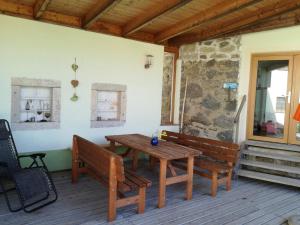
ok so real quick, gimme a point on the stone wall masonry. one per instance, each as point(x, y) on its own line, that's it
point(208, 65)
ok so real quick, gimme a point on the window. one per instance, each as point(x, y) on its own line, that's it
point(280, 104)
point(168, 88)
point(35, 104)
point(108, 105)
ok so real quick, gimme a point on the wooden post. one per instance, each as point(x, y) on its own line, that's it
point(75, 163)
point(162, 183)
point(183, 106)
point(228, 180)
point(152, 162)
point(142, 200)
point(112, 191)
point(135, 159)
point(189, 186)
point(214, 184)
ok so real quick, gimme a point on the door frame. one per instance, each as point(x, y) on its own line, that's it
point(252, 94)
point(295, 100)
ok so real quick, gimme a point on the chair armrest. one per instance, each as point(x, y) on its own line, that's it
point(34, 156)
point(37, 158)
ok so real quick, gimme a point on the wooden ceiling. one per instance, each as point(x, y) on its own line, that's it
point(166, 22)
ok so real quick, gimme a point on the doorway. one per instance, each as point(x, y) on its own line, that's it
point(274, 94)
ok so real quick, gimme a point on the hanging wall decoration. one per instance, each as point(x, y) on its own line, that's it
point(74, 82)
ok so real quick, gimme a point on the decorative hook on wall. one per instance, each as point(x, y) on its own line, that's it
point(148, 61)
point(74, 82)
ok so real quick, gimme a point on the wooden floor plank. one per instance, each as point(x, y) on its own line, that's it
point(85, 203)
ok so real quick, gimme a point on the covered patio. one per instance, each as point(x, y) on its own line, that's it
point(149, 112)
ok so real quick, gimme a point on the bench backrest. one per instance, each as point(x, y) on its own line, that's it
point(218, 150)
point(101, 161)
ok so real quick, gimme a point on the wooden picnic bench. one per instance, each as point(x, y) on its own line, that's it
point(217, 159)
point(164, 153)
point(107, 167)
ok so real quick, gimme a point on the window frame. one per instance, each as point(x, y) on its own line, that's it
point(98, 87)
point(16, 84)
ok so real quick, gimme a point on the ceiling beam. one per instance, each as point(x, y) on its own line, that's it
point(94, 14)
point(247, 19)
point(272, 24)
point(205, 16)
point(25, 11)
point(40, 7)
point(153, 13)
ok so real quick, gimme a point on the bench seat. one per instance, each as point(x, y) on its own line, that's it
point(216, 162)
point(108, 168)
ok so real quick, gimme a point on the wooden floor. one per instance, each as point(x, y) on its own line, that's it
point(250, 202)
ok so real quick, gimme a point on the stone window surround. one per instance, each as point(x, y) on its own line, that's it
point(16, 84)
point(96, 87)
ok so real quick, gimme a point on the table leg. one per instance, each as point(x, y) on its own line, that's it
point(162, 183)
point(112, 146)
point(189, 186)
point(135, 160)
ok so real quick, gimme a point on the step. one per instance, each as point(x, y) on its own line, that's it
point(270, 178)
point(271, 145)
point(271, 155)
point(271, 166)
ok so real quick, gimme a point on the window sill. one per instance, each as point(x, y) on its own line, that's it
point(101, 124)
point(35, 126)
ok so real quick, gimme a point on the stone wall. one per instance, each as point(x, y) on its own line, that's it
point(208, 65)
point(167, 87)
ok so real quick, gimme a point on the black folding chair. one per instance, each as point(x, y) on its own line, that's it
point(33, 184)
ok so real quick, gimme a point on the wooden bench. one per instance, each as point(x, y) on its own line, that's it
point(107, 167)
point(217, 159)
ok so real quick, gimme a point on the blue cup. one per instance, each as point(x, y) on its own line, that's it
point(154, 141)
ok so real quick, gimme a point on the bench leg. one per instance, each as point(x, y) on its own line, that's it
point(142, 200)
point(135, 160)
point(214, 184)
point(228, 180)
point(75, 167)
point(152, 162)
point(112, 205)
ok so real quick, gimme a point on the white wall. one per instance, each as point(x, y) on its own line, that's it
point(280, 40)
point(38, 50)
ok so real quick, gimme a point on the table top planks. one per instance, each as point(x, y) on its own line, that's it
point(164, 150)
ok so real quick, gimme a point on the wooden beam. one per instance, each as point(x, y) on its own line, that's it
point(25, 11)
point(247, 19)
point(153, 13)
point(112, 29)
point(15, 9)
point(94, 14)
point(40, 7)
point(275, 23)
point(214, 12)
point(61, 19)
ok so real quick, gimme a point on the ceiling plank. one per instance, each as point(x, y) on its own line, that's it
point(40, 7)
point(25, 11)
point(94, 14)
point(153, 13)
point(269, 25)
point(247, 19)
point(214, 12)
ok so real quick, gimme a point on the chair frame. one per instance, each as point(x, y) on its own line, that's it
point(35, 164)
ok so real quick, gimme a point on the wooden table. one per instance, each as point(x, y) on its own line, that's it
point(164, 152)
